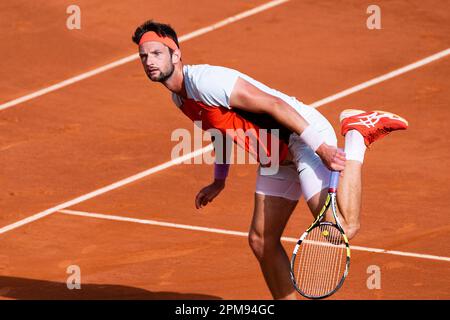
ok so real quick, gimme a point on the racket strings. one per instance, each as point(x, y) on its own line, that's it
point(321, 261)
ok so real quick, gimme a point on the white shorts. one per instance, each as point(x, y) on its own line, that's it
point(305, 174)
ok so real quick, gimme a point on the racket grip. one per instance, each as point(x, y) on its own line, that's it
point(334, 180)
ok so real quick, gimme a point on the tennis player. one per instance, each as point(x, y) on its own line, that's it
point(226, 99)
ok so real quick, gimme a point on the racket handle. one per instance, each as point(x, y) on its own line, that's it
point(334, 180)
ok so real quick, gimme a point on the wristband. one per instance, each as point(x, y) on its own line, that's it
point(221, 171)
point(312, 138)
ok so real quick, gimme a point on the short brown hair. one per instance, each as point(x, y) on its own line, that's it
point(161, 29)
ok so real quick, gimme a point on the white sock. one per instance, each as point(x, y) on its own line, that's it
point(354, 146)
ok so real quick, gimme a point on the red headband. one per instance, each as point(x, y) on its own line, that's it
point(153, 36)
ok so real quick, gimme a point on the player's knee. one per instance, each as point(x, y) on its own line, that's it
point(352, 229)
point(261, 246)
point(256, 243)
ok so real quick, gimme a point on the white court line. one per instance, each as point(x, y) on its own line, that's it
point(382, 78)
point(236, 233)
point(135, 56)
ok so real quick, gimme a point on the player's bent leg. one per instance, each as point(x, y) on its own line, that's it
point(315, 184)
point(360, 130)
point(349, 196)
point(271, 213)
point(349, 211)
point(315, 180)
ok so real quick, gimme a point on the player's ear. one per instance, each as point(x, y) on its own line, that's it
point(176, 56)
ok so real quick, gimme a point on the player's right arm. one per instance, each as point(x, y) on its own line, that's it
point(247, 97)
point(221, 168)
point(208, 193)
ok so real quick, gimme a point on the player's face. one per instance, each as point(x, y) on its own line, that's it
point(156, 60)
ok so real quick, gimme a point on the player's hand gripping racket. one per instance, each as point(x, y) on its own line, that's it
point(321, 258)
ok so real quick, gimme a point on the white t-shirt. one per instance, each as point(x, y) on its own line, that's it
point(212, 85)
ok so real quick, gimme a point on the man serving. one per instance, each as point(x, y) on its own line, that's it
point(228, 100)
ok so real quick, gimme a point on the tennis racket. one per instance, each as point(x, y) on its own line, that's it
point(321, 258)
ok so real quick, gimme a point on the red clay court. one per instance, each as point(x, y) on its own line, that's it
point(73, 137)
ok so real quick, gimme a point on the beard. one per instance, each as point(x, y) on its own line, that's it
point(162, 76)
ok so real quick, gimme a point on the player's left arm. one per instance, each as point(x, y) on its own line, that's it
point(247, 97)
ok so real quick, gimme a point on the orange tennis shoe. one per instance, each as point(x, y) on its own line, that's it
point(373, 125)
